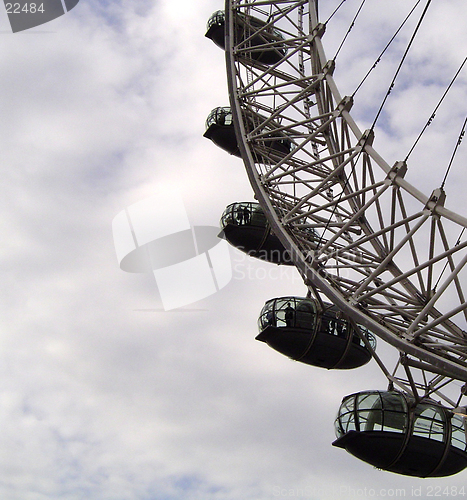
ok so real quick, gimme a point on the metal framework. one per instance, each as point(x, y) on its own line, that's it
point(390, 257)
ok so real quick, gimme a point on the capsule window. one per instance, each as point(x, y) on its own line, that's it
point(459, 431)
point(220, 116)
point(291, 312)
point(227, 217)
point(244, 214)
point(369, 336)
point(305, 314)
point(430, 422)
point(258, 218)
point(347, 422)
point(370, 416)
point(285, 312)
point(333, 326)
point(395, 412)
point(267, 317)
point(217, 19)
point(368, 401)
point(346, 418)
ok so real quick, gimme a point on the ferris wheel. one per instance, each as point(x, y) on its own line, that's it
point(379, 258)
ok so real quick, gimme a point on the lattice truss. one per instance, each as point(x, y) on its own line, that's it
point(389, 256)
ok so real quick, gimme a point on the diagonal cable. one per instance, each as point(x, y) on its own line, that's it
point(386, 48)
point(459, 140)
point(422, 17)
point(352, 24)
point(433, 115)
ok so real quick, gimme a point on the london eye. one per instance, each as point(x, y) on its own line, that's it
point(378, 257)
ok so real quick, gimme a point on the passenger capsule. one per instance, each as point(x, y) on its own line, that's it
point(267, 46)
point(246, 227)
point(391, 432)
point(221, 131)
point(302, 330)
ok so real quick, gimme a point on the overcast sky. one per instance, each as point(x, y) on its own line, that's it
point(103, 394)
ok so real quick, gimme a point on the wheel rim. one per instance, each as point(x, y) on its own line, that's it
point(389, 254)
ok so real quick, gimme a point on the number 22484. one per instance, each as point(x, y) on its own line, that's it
point(32, 8)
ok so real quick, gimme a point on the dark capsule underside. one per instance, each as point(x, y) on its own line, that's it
point(322, 350)
point(421, 458)
point(258, 242)
point(244, 226)
point(295, 327)
point(224, 137)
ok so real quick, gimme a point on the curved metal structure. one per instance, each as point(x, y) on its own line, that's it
point(389, 256)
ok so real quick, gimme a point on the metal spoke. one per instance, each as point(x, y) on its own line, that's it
point(358, 231)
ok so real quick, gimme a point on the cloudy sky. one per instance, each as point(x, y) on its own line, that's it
point(103, 394)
